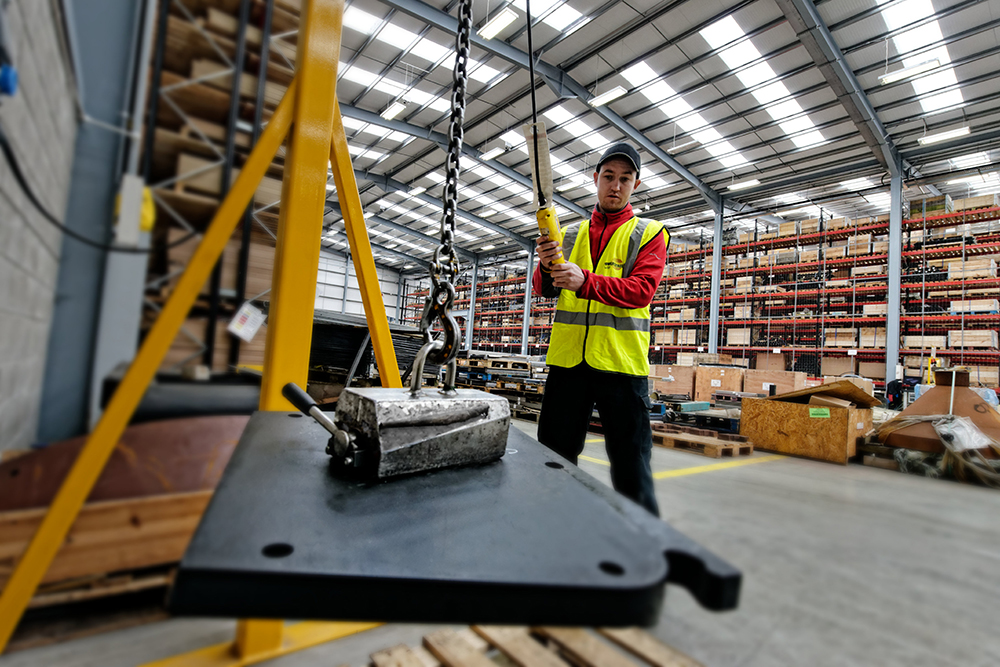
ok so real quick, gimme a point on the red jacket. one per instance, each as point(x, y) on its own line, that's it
point(634, 291)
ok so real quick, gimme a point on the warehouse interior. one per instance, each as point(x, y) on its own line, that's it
point(823, 353)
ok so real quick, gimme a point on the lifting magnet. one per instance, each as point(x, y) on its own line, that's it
point(378, 432)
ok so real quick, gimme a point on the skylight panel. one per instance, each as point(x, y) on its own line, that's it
point(398, 37)
point(562, 17)
point(578, 128)
point(692, 122)
point(596, 140)
point(654, 183)
point(757, 74)
point(898, 15)
point(784, 109)
point(363, 22)
point(482, 172)
point(657, 91)
point(484, 74)
point(558, 115)
point(733, 161)
point(358, 75)
point(434, 176)
point(722, 32)
point(639, 74)
point(353, 123)
point(512, 138)
point(796, 125)
point(390, 88)
point(740, 54)
point(563, 169)
point(675, 107)
point(440, 104)
point(706, 136)
point(538, 7)
point(397, 136)
point(941, 101)
point(971, 160)
point(809, 139)
point(771, 92)
point(429, 50)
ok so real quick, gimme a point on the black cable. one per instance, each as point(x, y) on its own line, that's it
point(534, 111)
point(15, 167)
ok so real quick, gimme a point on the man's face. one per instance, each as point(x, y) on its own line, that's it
point(615, 183)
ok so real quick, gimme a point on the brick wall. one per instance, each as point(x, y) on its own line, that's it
point(40, 124)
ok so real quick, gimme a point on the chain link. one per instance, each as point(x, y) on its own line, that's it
point(444, 266)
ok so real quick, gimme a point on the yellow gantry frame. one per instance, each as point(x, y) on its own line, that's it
point(309, 108)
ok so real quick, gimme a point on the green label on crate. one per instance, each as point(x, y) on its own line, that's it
point(819, 413)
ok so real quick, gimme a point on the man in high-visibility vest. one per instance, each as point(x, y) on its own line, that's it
point(599, 346)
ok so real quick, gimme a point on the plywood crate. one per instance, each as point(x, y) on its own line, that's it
point(872, 369)
point(687, 337)
point(973, 203)
point(827, 434)
point(682, 315)
point(709, 379)
point(859, 245)
point(676, 247)
point(874, 270)
point(760, 381)
point(737, 336)
point(872, 337)
point(745, 237)
point(743, 312)
point(972, 268)
point(698, 358)
point(786, 257)
point(880, 247)
point(924, 342)
point(835, 223)
point(788, 229)
point(875, 309)
point(987, 376)
point(746, 262)
point(936, 205)
point(672, 379)
point(973, 338)
point(771, 361)
point(976, 306)
point(840, 337)
point(834, 252)
point(663, 337)
point(810, 226)
point(809, 256)
point(837, 365)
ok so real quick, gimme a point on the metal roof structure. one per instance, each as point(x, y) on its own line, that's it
point(771, 108)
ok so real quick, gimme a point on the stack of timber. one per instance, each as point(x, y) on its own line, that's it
point(189, 137)
point(494, 646)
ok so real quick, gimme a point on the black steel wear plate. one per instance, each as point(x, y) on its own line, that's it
point(530, 539)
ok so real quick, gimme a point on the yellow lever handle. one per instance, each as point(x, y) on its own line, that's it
point(548, 225)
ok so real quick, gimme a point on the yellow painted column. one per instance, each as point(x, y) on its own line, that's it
point(300, 223)
point(90, 462)
point(361, 253)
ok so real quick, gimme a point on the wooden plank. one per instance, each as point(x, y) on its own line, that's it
point(101, 588)
point(397, 656)
point(454, 651)
point(109, 536)
point(585, 648)
point(518, 645)
point(649, 648)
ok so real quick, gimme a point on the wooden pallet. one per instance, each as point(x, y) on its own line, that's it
point(701, 441)
point(493, 646)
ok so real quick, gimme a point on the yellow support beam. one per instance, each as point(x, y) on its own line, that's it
point(35, 561)
point(303, 196)
point(361, 253)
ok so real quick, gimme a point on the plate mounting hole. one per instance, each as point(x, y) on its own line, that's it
point(277, 550)
point(553, 464)
point(611, 568)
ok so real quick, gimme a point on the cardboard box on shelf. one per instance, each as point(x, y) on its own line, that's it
point(837, 365)
point(874, 370)
point(864, 384)
point(824, 433)
point(672, 379)
point(760, 381)
point(771, 361)
point(709, 379)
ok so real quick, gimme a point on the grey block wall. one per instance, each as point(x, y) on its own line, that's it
point(40, 123)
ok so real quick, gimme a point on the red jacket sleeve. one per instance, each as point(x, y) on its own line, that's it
point(638, 289)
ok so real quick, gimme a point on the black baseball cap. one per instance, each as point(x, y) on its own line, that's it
point(624, 151)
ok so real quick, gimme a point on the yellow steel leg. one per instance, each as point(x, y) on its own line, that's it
point(88, 465)
point(300, 223)
point(361, 252)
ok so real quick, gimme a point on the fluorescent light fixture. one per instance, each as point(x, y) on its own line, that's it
point(488, 247)
point(907, 72)
point(492, 153)
point(973, 179)
point(607, 96)
point(943, 136)
point(393, 110)
point(497, 23)
point(744, 184)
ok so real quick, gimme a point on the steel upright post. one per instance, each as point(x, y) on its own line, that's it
point(473, 284)
point(895, 265)
point(713, 322)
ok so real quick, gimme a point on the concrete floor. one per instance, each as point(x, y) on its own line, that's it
point(842, 566)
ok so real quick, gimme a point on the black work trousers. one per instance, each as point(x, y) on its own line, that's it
point(623, 404)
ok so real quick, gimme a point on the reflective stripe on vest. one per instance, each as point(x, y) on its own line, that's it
point(609, 338)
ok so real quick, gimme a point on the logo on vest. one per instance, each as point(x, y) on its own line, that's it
point(618, 263)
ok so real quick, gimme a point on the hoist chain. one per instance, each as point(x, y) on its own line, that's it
point(444, 266)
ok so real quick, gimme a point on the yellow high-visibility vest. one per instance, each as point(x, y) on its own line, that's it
point(607, 337)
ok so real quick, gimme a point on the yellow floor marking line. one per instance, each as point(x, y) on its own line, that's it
point(593, 460)
point(594, 440)
point(664, 474)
